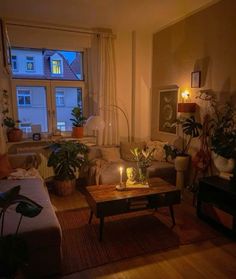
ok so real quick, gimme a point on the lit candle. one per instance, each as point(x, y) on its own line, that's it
point(121, 172)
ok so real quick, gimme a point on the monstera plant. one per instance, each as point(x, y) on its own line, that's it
point(13, 248)
point(191, 129)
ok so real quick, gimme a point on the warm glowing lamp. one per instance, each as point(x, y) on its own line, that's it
point(186, 107)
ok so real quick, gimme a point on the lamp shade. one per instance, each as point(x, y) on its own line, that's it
point(95, 123)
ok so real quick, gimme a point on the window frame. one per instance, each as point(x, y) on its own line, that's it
point(50, 89)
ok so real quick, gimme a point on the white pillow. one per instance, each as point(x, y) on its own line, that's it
point(159, 153)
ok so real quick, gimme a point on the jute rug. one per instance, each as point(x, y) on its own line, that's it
point(126, 235)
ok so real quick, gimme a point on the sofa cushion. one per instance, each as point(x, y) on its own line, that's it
point(5, 166)
point(94, 153)
point(159, 152)
point(111, 154)
point(125, 148)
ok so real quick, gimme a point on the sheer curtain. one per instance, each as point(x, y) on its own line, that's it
point(102, 86)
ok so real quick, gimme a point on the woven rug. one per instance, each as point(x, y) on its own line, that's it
point(126, 235)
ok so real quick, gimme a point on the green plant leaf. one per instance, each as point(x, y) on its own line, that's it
point(28, 209)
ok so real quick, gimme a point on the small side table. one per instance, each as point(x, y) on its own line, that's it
point(216, 202)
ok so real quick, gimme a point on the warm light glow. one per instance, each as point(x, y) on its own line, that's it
point(185, 95)
point(121, 173)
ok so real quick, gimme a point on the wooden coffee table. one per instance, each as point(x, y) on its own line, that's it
point(105, 200)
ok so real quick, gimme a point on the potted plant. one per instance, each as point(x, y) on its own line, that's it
point(223, 137)
point(143, 159)
point(66, 158)
point(78, 121)
point(13, 133)
point(13, 248)
point(191, 129)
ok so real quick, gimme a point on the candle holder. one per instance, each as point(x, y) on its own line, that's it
point(120, 187)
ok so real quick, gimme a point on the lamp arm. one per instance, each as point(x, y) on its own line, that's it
point(126, 118)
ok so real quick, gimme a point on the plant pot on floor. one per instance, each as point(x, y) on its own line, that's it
point(181, 166)
point(65, 187)
point(77, 132)
point(223, 165)
point(14, 134)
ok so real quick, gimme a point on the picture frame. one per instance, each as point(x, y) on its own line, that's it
point(196, 79)
point(6, 47)
point(168, 99)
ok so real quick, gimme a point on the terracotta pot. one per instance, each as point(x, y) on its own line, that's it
point(77, 132)
point(65, 188)
point(14, 134)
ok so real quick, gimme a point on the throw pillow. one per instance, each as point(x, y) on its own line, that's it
point(159, 153)
point(125, 148)
point(5, 166)
point(110, 154)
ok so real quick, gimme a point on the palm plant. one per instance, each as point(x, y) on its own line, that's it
point(78, 119)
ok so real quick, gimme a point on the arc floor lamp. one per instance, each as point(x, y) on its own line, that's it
point(96, 123)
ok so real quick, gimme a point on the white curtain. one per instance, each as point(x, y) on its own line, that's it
point(102, 86)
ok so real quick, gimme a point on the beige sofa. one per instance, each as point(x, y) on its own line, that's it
point(104, 163)
point(42, 233)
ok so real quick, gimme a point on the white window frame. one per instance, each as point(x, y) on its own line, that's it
point(50, 88)
point(30, 61)
point(24, 95)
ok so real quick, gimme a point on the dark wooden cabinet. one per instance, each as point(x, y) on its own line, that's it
point(216, 202)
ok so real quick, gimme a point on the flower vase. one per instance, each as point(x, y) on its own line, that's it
point(142, 175)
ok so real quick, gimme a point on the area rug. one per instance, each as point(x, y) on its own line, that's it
point(126, 235)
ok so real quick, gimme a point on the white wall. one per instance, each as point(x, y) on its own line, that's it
point(133, 59)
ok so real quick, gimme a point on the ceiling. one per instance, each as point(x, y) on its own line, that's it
point(149, 15)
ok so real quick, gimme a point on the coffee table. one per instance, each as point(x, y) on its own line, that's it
point(105, 200)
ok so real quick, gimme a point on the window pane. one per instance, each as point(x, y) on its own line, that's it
point(32, 108)
point(72, 97)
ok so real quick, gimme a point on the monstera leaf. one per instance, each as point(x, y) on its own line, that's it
point(191, 127)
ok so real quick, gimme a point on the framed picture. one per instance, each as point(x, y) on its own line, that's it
point(168, 110)
point(6, 47)
point(196, 79)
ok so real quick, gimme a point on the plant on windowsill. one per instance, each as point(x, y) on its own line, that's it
point(13, 248)
point(78, 122)
point(66, 158)
point(13, 133)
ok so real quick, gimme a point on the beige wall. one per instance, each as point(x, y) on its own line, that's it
point(206, 42)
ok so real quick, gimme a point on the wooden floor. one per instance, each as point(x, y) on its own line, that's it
point(214, 259)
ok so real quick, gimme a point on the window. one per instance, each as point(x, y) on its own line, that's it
point(25, 127)
point(30, 63)
point(60, 99)
point(14, 62)
point(56, 67)
point(43, 98)
point(23, 97)
point(61, 126)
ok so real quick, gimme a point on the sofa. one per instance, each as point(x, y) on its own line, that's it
point(104, 162)
point(43, 233)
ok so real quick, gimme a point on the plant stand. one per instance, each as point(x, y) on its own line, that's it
point(181, 166)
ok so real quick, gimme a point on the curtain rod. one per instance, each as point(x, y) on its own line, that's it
point(59, 28)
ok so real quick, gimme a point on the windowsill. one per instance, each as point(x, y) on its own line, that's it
point(88, 140)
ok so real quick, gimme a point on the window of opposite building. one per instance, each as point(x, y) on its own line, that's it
point(23, 97)
point(30, 64)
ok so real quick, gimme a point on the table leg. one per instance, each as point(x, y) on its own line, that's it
point(101, 228)
point(172, 214)
point(91, 216)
